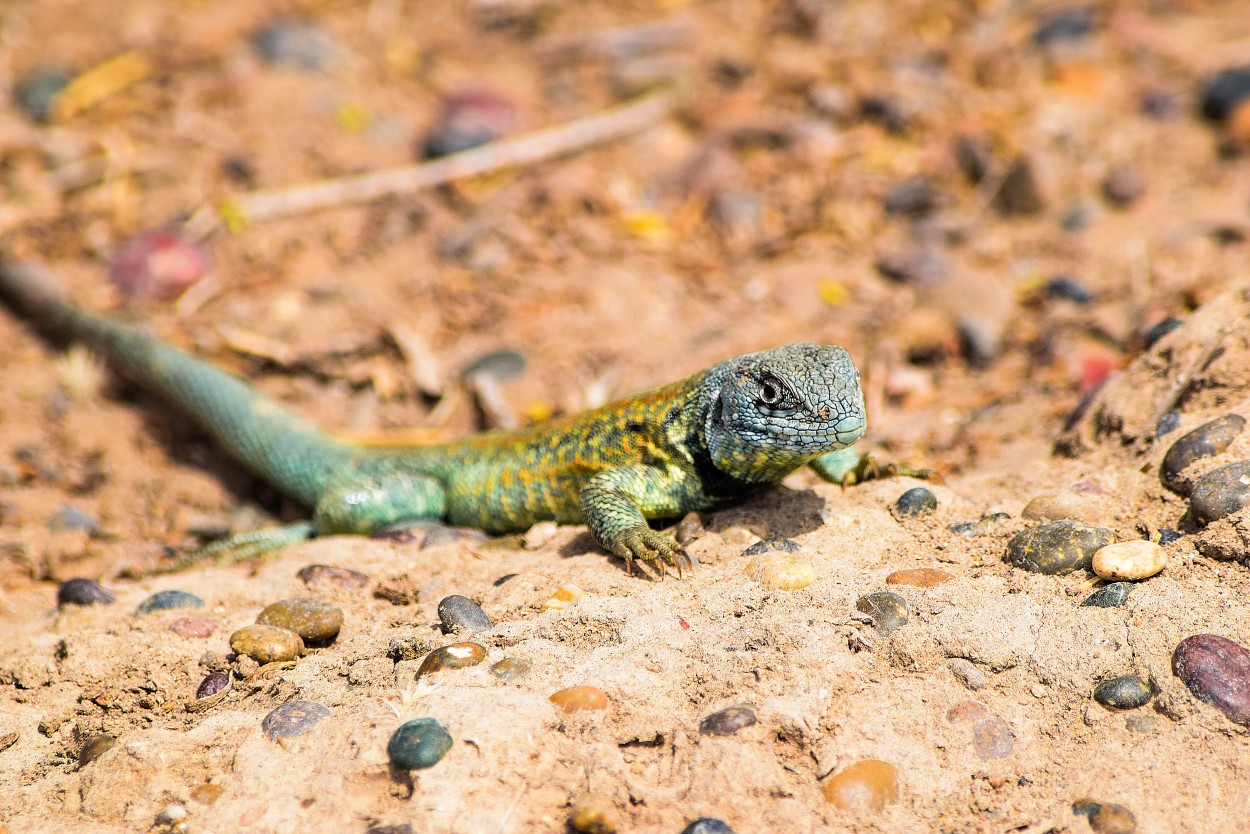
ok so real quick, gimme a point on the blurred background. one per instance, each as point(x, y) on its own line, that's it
point(987, 202)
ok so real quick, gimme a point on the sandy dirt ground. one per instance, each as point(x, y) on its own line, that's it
point(990, 204)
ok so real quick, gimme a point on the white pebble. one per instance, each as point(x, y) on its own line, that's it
point(1130, 560)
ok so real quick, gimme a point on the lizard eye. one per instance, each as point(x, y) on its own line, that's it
point(771, 392)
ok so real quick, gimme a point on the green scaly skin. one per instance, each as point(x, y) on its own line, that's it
point(718, 435)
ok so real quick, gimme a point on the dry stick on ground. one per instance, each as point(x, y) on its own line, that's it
point(604, 126)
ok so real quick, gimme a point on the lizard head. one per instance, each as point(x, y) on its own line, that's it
point(774, 411)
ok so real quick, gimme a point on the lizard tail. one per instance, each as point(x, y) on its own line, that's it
point(285, 450)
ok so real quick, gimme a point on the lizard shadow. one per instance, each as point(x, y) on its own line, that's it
point(186, 444)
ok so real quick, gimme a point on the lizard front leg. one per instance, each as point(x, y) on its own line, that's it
point(616, 504)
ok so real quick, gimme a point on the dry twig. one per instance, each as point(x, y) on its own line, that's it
point(540, 145)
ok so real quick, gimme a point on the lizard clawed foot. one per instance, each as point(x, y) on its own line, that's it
point(847, 467)
point(655, 549)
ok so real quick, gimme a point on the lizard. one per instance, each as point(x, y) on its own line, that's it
point(730, 430)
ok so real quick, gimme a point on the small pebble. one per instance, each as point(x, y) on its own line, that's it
point(511, 669)
point(782, 572)
point(213, 683)
point(1221, 492)
point(1109, 596)
point(1123, 185)
point(1217, 672)
point(1170, 421)
point(765, 545)
point(566, 595)
point(1141, 723)
point(923, 267)
point(1078, 218)
point(167, 600)
point(267, 644)
point(1064, 25)
point(294, 718)
point(1070, 289)
point(83, 592)
point(982, 527)
point(1168, 536)
point(1207, 440)
point(158, 264)
point(1106, 817)
point(207, 793)
point(918, 577)
point(1057, 547)
point(579, 698)
point(916, 501)
point(736, 213)
point(593, 815)
point(887, 610)
point(1056, 506)
point(867, 785)
point(316, 621)
point(1021, 191)
point(967, 672)
point(401, 828)
point(1131, 560)
point(539, 534)
point(296, 46)
point(455, 656)
point(885, 111)
point(1124, 692)
point(331, 575)
point(727, 721)
point(459, 613)
point(499, 364)
point(172, 818)
point(469, 118)
point(95, 747)
point(193, 627)
point(974, 156)
point(418, 744)
point(36, 92)
point(1160, 105)
point(69, 517)
point(1157, 332)
point(707, 825)
point(916, 197)
point(1222, 94)
point(992, 738)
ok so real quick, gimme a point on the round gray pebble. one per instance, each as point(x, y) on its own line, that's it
point(1221, 492)
point(887, 609)
point(707, 825)
point(1113, 595)
point(316, 621)
point(294, 718)
point(418, 744)
point(1124, 692)
point(1057, 547)
point(1203, 442)
point(83, 592)
point(295, 45)
point(459, 613)
point(916, 501)
point(1217, 672)
point(213, 683)
point(167, 600)
point(727, 721)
